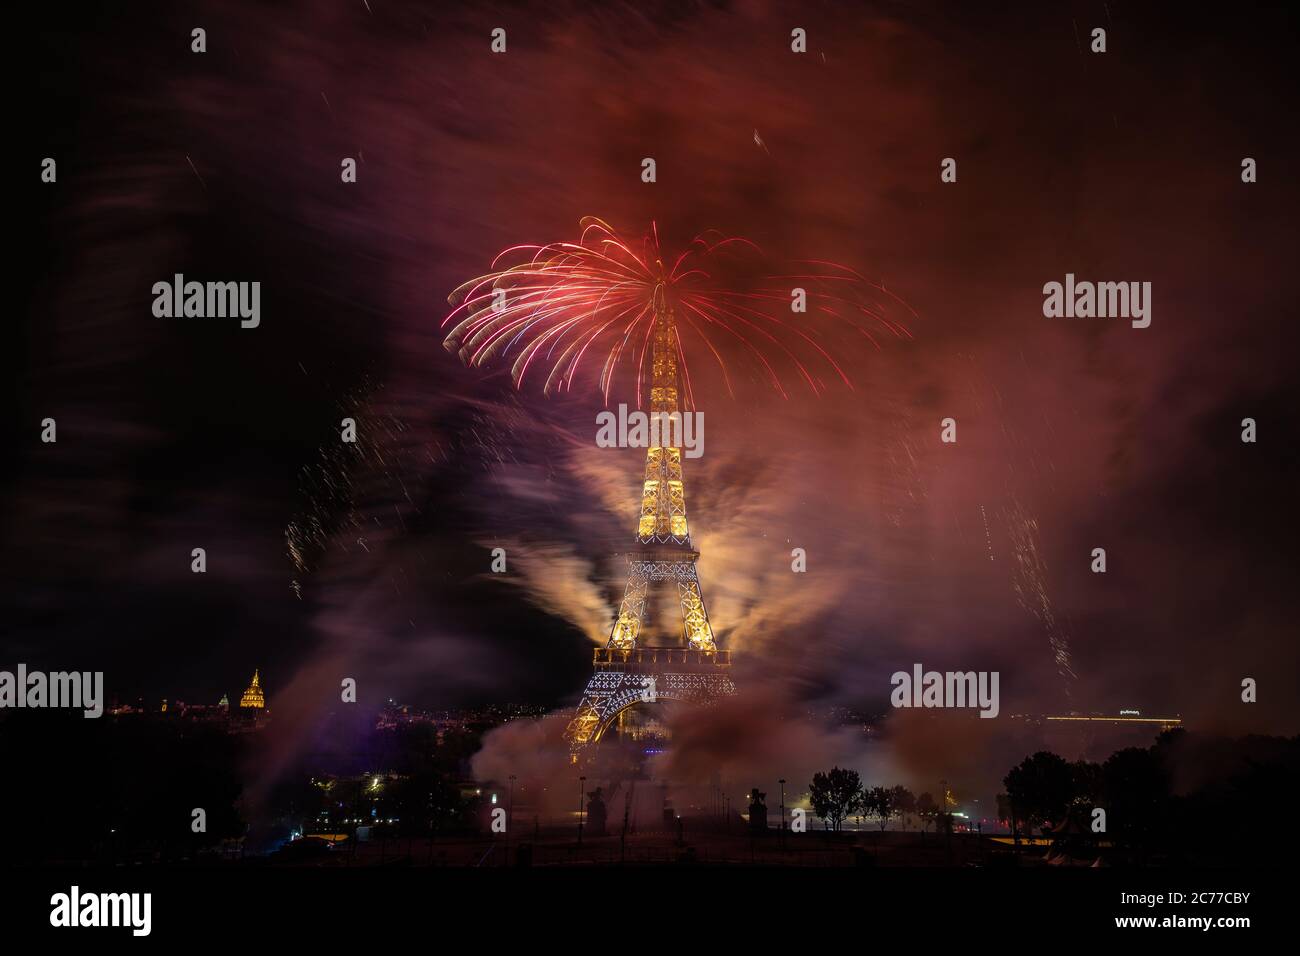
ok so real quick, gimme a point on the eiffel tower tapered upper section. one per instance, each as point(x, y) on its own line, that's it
point(664, 553)
point(663, 496)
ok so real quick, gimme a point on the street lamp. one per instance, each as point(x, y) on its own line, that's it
point(582, 796)
point(782, 783)
point(510, 814)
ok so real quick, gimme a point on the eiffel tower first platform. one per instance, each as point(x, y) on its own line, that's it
point(627, 671)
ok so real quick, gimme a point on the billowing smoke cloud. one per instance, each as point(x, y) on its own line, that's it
point(558, 582)
point(973, 555)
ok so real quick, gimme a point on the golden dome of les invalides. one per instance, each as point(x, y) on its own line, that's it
point(253, 697)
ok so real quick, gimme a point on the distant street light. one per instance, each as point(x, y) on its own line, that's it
point(510, 815)
point(582, 796)
point(782, 783)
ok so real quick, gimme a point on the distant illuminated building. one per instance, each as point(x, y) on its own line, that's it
point(253, 697)
point(224, 703)
point(1124, 717)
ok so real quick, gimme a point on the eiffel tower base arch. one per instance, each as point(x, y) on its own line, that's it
point(645, 675)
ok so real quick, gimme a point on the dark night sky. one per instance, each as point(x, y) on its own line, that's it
point(1073, 434)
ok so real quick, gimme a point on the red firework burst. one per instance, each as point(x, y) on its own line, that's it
point(566, 306)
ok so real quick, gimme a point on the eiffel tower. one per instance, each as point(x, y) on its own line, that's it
point(628, 671)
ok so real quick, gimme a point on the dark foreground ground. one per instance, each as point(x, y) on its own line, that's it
point(715, 847)
point(548, 890)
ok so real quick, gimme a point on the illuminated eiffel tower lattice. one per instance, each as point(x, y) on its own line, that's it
point(627, 670)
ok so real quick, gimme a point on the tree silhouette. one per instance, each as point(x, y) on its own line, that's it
point(1135, 789)
point(925, 809)
point(835, 795)
point(878, 802)
point(904, 801)
point(1040, 790)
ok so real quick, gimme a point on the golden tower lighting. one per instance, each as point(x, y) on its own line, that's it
point(253, 696)
point(628, 671)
